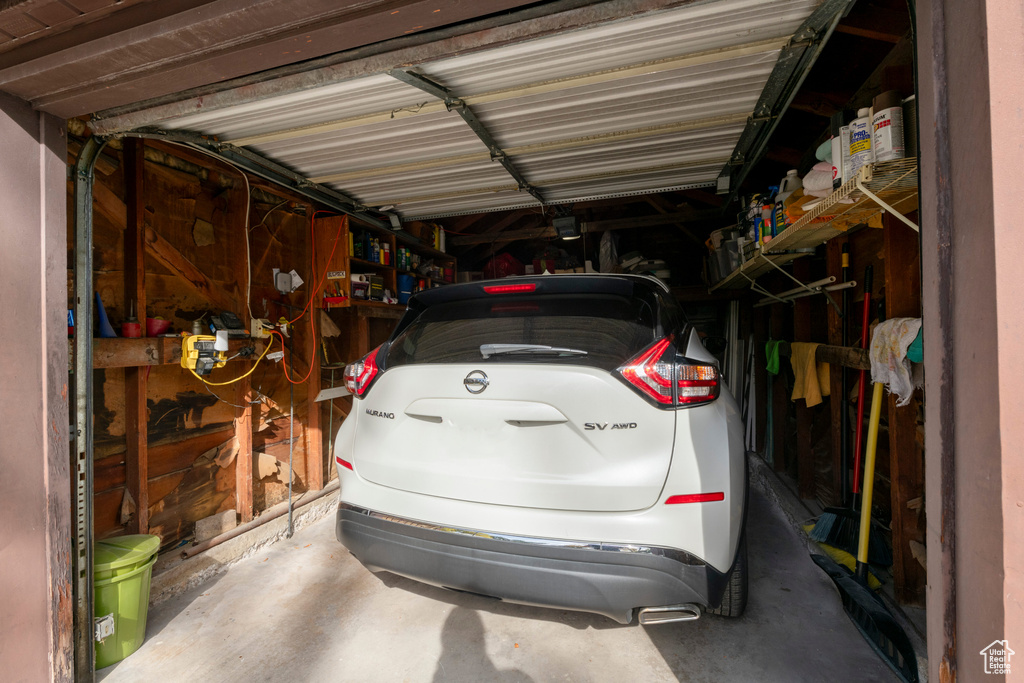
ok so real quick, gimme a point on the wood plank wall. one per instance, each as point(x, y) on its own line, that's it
point(172, 244)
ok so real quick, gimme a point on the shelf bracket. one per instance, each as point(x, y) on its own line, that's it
point(806, 287)
point(878, 200)
point(754, 287)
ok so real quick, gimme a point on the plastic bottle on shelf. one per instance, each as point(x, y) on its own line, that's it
point(835, 128)
point(861, 153)
point(844, 143)
point(788, 185)
point(767, 216)
point(887, 127)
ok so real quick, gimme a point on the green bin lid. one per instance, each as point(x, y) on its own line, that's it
point(121, 551)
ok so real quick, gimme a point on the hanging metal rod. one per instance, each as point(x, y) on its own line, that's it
point(798, 293)
point(453, 103)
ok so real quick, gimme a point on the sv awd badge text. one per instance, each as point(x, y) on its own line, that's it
point(377, 413)
point(605, 425)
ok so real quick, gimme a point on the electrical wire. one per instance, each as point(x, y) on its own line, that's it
point(248, 206)
point(241, 377)
point(263, 223)
point(284, 368)
point(317, 284)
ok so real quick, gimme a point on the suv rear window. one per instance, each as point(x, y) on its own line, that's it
point(611, 329)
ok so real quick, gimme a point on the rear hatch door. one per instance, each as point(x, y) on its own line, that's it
point(546, 430)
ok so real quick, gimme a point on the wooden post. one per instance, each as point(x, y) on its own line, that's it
point(243, 434)
point(314, 437)
point(906, 462)
point(135, 379)
point(802, 332)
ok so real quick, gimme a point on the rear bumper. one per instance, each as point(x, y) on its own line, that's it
point(591, 577)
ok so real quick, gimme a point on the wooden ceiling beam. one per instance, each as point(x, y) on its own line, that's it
point(591, 227)
point(870, 34)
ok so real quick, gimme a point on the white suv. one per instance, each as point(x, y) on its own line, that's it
point(562, 441)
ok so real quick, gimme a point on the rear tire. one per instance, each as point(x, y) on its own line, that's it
point(734, 598)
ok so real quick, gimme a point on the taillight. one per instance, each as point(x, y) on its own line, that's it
point(511, 289)
point(668, 381)
point(650, 374)
point(360, 375)
point(697, 383)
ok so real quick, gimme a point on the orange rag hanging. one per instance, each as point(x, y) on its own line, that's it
point(812, 378)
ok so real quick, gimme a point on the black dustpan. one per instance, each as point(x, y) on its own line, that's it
point(873, 619)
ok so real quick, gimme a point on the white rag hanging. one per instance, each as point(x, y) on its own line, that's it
point(889, 363)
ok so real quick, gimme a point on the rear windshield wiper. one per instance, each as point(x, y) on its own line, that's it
point(488, 350)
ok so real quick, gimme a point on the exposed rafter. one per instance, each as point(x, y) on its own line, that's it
point(590, 227)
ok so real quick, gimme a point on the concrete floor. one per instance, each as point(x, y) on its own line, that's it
point(306, 610)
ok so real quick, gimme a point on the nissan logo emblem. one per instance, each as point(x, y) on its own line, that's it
point(476, 381)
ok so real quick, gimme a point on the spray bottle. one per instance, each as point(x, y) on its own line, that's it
point(861, 153)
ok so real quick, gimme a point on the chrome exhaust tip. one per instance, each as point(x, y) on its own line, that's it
point(669, 614)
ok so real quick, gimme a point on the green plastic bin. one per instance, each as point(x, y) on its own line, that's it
point(122, 569)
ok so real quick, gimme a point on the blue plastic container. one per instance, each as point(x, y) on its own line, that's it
point(405, 285)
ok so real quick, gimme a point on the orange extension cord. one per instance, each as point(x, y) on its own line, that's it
point(317, 285)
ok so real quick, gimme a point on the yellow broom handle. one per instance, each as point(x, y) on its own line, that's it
point(869, 473)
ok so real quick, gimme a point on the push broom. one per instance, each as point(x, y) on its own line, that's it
point(838, 526)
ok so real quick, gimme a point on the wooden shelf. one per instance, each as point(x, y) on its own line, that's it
point(370, 264)
point(894, 182)
point(136, 352)
point(378, 309)
point(377, 304)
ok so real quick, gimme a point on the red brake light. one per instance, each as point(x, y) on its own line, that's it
point(695, 498)
point(344, 463)
point(648, 373)
point(654, 371)
point(511, 289)
point(360, 375)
